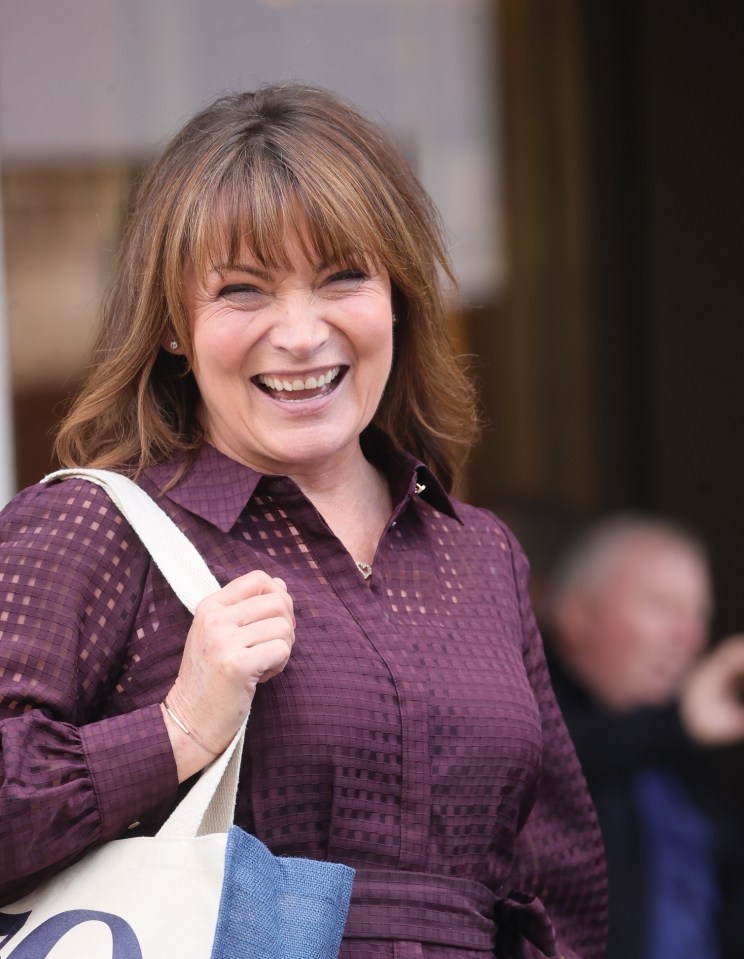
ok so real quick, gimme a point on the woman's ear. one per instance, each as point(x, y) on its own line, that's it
point(171, 345)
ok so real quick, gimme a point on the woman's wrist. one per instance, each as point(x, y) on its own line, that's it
point(190, 754)
point(175, 718)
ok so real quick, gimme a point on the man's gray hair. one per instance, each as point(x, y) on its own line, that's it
point(585, 563)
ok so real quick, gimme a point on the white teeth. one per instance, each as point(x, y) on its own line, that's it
point(311, 383)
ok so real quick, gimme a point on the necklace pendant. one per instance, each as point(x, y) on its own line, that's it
point(365, 569)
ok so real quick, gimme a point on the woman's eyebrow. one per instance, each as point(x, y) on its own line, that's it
point(238, 267)
point(223, 268)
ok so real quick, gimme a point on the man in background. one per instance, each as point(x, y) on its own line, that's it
point(626, 619)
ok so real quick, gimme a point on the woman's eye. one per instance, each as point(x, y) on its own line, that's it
point(238, 289)
point(243, 296)
point(348, 276)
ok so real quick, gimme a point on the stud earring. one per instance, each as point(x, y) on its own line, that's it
point(173, 344)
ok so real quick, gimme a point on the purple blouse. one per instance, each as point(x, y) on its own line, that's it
point(413, 735)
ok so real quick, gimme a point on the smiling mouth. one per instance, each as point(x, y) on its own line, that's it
point(300, 388)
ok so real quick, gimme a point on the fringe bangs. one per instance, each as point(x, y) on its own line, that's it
point(260, 204)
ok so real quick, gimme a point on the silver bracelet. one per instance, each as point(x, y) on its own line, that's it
point(184, 729)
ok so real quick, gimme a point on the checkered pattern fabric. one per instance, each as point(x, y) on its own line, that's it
point(413, 736)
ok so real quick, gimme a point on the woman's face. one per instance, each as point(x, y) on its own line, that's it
point(290, 363)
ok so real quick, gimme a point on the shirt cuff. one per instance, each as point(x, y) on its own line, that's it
point(132, 768)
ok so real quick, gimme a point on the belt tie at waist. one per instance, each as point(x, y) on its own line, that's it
point(446, 911)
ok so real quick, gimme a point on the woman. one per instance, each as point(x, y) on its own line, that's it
point(274, 367)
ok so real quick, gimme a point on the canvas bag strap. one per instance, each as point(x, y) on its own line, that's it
point(172, 552)
point(210, 805)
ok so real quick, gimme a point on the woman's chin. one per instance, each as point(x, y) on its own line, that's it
point(305, 451)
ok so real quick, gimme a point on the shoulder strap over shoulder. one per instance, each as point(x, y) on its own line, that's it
point(173, 553)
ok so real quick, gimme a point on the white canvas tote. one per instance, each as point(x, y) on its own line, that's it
point(139, 898)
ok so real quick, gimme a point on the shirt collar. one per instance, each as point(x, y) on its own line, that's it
point(214, 486)
point(405, 473)
point(217, 488)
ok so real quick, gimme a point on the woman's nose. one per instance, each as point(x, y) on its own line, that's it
point(300, 328)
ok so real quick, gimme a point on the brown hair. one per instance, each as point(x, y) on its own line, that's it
point(241, 171)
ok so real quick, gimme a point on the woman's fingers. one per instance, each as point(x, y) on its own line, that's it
point(255, 583)
point(250, 598)
point(267, 659)
point(247, 612)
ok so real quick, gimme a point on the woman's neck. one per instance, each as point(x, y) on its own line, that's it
point(354, 500)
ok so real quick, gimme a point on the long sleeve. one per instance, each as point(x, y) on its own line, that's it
point(72, 576)
point(560, 858)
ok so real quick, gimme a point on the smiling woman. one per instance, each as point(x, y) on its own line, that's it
point(291, 363)
point(241, 178)
point(274, 366)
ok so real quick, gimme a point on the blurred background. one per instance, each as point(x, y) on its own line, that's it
point(586, 158)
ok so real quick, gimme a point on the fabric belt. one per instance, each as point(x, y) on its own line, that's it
point(417, 906)
point(446, 911)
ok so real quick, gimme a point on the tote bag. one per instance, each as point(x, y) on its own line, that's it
point(201, 887)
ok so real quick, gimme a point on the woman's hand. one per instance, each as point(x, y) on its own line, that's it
point(712, 699)
point(240, 637)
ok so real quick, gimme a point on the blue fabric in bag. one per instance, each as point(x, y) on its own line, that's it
point(276, 907)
